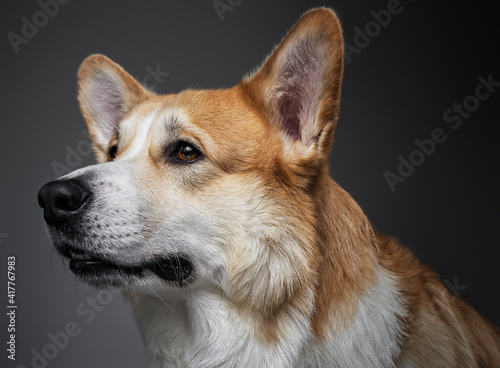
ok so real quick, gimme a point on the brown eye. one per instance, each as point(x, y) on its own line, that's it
point(186, 152)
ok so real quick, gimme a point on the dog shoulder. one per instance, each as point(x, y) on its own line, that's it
point(439, 327)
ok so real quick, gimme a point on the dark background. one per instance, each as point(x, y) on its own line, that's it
point(395, 91)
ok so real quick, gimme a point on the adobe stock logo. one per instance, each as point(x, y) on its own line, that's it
point(156, 74)
point(223, 6)
point(380, 20)
point(31, 27)
point(58, 342)
point(427, 146)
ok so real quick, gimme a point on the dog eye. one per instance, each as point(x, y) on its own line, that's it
point(186, 152)
point(112, 152)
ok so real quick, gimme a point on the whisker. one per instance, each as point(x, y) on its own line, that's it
point(169, 307)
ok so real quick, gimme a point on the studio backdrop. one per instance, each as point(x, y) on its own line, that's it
point(416, 144)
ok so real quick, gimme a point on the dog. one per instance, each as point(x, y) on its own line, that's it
point(214, 212)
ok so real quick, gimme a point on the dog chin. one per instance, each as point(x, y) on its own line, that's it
point(174, 269)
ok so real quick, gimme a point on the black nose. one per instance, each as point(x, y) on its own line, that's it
point(62, 200)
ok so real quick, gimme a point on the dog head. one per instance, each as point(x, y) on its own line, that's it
point(205, 187)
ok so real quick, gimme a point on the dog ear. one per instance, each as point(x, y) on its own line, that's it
point(298, 86)
point(106, 93)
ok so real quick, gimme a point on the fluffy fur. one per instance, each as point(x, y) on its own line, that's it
point(286, 269)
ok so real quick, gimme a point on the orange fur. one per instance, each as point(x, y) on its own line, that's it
point(238, 130)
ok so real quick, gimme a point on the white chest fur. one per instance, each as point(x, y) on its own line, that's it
point(203, 329)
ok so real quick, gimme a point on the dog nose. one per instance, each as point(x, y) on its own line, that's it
point(62, 199)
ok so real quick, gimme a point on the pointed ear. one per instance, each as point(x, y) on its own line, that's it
point(298, 87)
point(106, 93)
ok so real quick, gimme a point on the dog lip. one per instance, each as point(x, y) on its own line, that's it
point(82, 262)
point(78, 255)
point(173, 268)
point(73, 252)
point(92, 266)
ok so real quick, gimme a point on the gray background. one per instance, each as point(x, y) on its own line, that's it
point(395, 91)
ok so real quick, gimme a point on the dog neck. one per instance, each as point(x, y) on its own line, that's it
point(203, 327)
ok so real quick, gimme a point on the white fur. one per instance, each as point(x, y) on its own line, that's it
point(370, 339)
point(198, 329)
point(141, 136)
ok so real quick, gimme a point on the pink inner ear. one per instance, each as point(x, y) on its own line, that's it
point(107, 102)
point(290, 110)
point(299, 78)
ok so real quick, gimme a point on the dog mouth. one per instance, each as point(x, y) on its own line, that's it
point(83, 264)
point(96, 269)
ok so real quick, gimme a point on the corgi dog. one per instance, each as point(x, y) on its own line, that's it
point(214, 212)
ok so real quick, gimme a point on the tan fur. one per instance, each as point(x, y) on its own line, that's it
point(442, 329)
point(133, 94)
point(238, 130)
